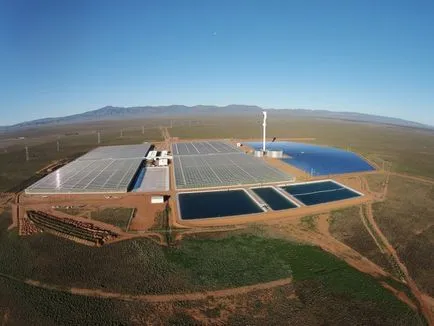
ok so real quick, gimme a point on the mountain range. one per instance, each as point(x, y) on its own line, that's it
point(141, 112)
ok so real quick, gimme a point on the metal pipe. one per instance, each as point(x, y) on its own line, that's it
point(264, 128)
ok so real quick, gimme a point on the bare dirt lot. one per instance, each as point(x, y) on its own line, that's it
point(144, 215)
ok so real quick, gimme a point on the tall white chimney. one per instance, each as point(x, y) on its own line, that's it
point(264, 129)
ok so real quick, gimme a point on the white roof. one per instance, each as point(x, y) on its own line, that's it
point(88, 176)
point(154, 179)
point(102, 170)
point(151, 154)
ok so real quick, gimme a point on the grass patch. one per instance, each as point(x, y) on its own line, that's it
point(309, 222)
point(73, 211)
point(119, 216)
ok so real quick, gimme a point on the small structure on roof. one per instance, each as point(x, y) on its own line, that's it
point(162, 162)
point(275, 154)
point(151, 155)
point(157, 199)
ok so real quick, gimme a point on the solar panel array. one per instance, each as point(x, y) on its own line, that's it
point(220, 168)
point(107, 169)
point(203, 147)
point(117, 152)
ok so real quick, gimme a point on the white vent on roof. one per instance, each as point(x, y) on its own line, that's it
point(157, 199)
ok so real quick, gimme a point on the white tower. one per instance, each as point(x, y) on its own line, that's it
point(264, 129)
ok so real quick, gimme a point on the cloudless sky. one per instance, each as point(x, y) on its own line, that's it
point(66, 57)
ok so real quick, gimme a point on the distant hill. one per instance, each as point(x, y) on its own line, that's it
point(140, 112)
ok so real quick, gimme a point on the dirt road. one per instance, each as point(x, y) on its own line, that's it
point(157, 298)
point(424, 304)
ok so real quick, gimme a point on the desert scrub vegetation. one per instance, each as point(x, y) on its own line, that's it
point(309, 222)
point(346, 226)
point(142, 267)
point(376, 182)
point(312, 304)
point(30, 305)
point(405, 218)
point(162, 224)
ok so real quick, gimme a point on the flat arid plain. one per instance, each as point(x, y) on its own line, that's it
point(360, 261)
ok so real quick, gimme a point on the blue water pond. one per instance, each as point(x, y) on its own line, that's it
point(318, 160)
point(273, 199)
point(314, 193)
point(196, 205)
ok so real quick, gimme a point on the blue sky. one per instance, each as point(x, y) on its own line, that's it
point(66, 57)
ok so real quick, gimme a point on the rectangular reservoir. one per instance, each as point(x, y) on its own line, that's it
point(313, 193)
point(211, 204)
point(273, 198)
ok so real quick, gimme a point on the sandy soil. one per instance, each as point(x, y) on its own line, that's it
point(145, 216)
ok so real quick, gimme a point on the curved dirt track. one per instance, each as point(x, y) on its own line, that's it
point(424, 304)
point(157, 298)
point(412, 177)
